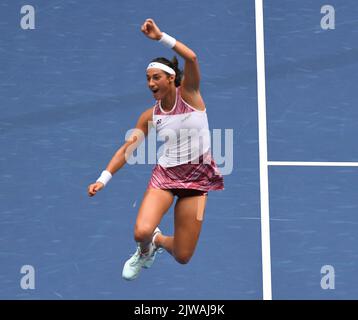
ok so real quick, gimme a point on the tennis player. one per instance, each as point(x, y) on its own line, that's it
point(185, 170)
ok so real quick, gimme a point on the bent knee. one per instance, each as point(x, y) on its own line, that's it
point(143, 233)
point(183, 258)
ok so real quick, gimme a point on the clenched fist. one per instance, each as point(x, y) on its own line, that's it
point(151, 30)
point(94, 188)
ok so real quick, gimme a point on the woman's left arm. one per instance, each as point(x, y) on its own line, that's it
point(191, 80)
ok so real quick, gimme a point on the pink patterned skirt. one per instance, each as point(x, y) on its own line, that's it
point(199, 176)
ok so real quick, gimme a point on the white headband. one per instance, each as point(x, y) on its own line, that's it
point(161, 66)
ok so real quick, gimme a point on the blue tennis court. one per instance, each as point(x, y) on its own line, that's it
point(70, 90)
point(312, 115)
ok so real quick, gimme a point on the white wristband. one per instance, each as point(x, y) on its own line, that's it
point(104, 177)
point(167, 40)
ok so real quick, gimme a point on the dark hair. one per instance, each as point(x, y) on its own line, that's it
point(174, 64)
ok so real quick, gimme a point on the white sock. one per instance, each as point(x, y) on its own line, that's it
point(153, 240)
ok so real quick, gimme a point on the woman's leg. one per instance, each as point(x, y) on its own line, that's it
point(154, 205)
point(188, 218)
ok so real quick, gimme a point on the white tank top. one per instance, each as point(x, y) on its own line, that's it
point(184, 130)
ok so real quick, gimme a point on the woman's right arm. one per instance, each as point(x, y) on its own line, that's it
point(126, 150)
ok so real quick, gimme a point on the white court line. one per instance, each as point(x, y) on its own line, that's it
point(264, 192)
point(264, 163)
point(313, 164)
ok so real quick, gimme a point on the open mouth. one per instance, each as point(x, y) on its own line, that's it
point(155, 90)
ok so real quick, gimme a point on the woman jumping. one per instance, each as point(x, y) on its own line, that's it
point(185, 170)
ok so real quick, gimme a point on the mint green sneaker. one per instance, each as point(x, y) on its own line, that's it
point(156, 250)
point(134, 264)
